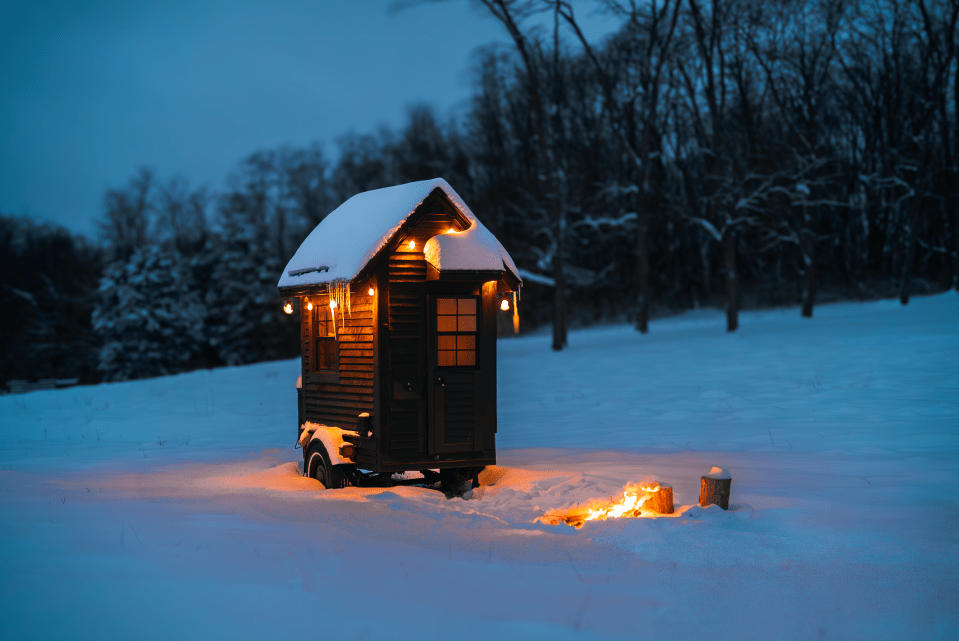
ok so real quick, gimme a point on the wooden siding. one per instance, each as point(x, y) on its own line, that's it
point(336, 398)
point(407, 352)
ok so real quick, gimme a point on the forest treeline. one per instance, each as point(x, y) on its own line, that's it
point(730, 154)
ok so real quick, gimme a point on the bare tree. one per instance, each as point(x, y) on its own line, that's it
point(125, 225)
point(510, 13)
point(181, 215)
point(713, 38)
point(634, 96)
point(796, 50)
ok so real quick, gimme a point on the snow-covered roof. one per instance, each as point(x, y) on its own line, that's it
point(347, 240)
point(474, 248)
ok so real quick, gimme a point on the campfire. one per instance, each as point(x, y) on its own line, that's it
point(641, 500)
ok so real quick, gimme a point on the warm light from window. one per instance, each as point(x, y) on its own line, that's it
point(412, 244)
point(288, 308)
point(504, 305)
point(372, 291)
point(332, 304)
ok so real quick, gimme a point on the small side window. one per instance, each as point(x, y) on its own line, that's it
point(324, 340)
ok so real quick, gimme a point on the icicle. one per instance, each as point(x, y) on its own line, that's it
point(515, 315)
point(340, 292)
point(341, 296)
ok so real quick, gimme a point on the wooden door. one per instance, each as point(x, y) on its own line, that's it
point(407, 375)
point(454, 373)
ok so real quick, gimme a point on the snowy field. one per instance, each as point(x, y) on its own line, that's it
point(173, 508)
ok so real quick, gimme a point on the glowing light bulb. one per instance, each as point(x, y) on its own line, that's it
point(288, 308)
point(309, 305)
point(332, 304)
point(504, 305)
point(412, 244)
point(372, 291)
point(450, 230)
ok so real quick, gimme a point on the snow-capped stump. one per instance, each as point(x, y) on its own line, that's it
point(660, 500)
point(715, 488)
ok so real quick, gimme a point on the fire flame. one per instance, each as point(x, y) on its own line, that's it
point(629, 507)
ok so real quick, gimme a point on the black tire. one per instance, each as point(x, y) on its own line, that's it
point(318, 467)
point(458, 480)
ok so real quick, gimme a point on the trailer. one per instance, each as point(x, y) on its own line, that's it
point(399, 292)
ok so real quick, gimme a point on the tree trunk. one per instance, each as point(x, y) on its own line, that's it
point(809, 262)
point(909, 255)
point(560, 319)
point(955, 243)
point(707, 272)
point(732, 280)
point(642, 273)
point(809, 280)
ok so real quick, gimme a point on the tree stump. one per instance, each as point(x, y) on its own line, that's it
point(660, 502)
point(715, 488)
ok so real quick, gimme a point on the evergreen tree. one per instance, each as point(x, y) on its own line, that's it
point(148, 318)
point(244, 320)
point(48, 282)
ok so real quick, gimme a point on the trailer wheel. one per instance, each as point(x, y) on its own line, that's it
point(318, 467)
point(459, 480)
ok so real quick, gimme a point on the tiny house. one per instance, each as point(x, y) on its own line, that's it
point(399, 291)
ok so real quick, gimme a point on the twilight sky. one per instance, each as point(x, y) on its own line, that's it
point(89, 91)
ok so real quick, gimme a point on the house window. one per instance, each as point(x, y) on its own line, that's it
point(456, 332)
point(324, 339)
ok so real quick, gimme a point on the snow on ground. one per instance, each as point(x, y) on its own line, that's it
point(174, 507)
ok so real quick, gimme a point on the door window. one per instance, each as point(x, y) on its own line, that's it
point(456, 332)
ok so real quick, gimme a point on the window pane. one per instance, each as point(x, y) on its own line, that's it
point(446, 323)
point(447, 342)
point(445, 305)
point(467, 306)
point(466, 358)
point(324, 326)
point(465, 342)
point(466, 323)
point(446, 359)
point(325, 355)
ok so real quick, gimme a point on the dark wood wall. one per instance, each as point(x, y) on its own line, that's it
point(336, 399)
point(406, 377)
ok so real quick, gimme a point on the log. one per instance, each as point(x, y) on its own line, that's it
point(660, 502)
point(715, 488)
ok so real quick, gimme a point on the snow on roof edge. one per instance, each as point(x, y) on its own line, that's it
point(345, 248)
point(466, 211)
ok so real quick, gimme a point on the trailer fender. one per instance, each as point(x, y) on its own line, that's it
point(332, 439)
